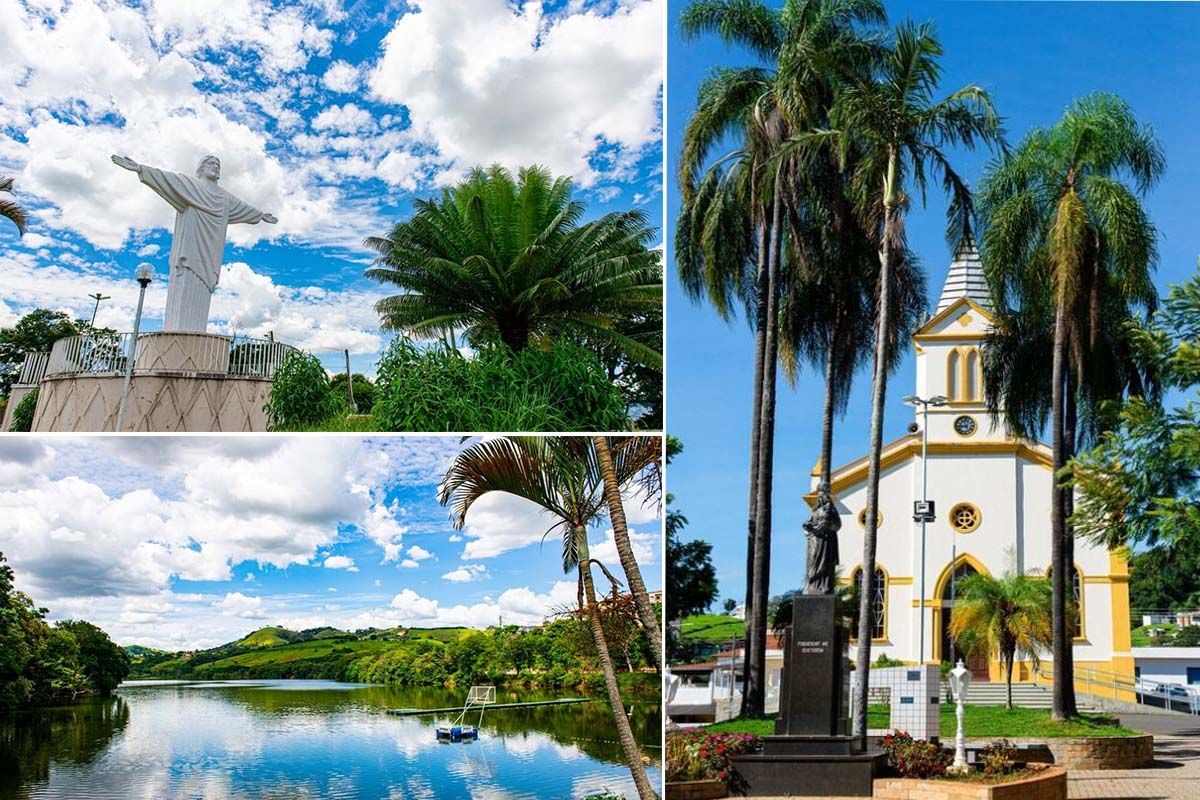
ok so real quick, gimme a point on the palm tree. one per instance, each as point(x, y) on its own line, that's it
point(647, 450)
point(731, 233)
point(899, 131)
point(510, 260)
point(9, 209)
point(1068, 251)
point(560, 475)
point(999, 616)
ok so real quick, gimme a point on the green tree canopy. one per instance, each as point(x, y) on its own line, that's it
point(512, 260)
point(34, 332)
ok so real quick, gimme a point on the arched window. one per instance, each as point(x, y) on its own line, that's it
point(1076, 600)
point(973, 375)
point(878, 601)
point(953, 368)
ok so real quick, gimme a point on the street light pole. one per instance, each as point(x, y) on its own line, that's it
point(97, 297)
point(144, 275)
point(925, 511)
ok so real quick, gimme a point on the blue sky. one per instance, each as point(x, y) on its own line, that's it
point(331, 114)
point(181, 542)
point(1034, 57)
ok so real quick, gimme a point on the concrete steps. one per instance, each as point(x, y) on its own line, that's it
point(1025, 695)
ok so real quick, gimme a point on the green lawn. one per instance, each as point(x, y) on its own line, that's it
point(984, 722)
point(711, 628)
point(1140, 637)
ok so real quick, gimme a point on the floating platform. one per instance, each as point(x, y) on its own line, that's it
point(457, 732)
point(416, 712)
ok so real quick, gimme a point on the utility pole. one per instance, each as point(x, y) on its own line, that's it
point(923, 510)
point(97, 297)
point(349, 381)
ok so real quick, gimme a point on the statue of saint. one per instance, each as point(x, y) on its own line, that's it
point(822, 528)
point(203, 210)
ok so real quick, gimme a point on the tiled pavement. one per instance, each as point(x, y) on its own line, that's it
point(1174, 776)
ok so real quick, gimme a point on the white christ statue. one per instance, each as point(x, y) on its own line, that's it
point(203, 210)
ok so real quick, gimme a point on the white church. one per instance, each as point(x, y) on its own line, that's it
point(992, 504)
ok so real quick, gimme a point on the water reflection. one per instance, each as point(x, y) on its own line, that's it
point(309, 739)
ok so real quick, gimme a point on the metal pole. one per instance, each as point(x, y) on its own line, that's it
point(924, 498)
point(97, 297)
point(137, 324)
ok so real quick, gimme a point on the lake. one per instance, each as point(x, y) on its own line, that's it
point(320, 739)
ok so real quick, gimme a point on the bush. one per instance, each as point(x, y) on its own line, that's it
point(915, 758)
point(22, 416)
point(561, 389)
point(884, 661)
point(300, 394)
point(999, 758)
point(697, 756)
point(364, 392)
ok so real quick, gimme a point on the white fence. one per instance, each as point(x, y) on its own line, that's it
point(108, 354)
point(32, 369)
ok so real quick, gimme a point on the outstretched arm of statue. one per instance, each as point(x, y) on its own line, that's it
point(124, 162)
point(270, 219)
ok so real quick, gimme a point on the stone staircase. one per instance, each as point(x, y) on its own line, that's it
point(1025, 695)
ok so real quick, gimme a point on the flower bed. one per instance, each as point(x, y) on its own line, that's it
point(1034, 782)
point(698, 765)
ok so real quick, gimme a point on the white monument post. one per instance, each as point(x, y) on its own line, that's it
point(960, 683)
point(203, 210)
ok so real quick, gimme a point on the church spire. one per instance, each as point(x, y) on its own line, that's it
point(965, 278)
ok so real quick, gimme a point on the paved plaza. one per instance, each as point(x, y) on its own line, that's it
point(1174, 776)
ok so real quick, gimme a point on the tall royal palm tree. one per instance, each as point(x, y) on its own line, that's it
point(899, 132)
point(999, 616)
point(561, 475)
point(9, 209)
point(733, 234)
point(1068, 251)
point(510, 260)
point(629, 451)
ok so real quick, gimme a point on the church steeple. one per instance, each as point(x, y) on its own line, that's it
point(965, 279)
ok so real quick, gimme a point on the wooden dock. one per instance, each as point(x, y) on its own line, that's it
point(416, 712)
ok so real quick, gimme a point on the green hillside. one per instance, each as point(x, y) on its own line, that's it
point(266, 637)
point(714, 628)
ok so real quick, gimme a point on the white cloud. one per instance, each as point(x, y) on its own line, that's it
point(418, 553)
point(484, 82)
point(341, 77)
point(498, 522)
point(408, 563)
point(414, 606)
point(237, 604)
point(516, 606)
point(349, 118)
point(341, 562)
point(382, 527)
point(466, 573)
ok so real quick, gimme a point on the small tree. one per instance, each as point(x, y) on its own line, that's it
point(730, 605)
point(998, 616)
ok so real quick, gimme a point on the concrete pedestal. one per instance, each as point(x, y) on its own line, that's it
point(811, 753)
point(181, 383)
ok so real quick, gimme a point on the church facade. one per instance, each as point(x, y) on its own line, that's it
point(992, 504)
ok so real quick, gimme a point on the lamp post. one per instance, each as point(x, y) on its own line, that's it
point(97, 297)
point(144, 275)
point(960, 683)
point(923, 511)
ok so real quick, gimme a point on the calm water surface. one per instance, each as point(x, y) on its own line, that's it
point(310, 739)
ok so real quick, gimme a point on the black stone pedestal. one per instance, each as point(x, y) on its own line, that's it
point(811, 755)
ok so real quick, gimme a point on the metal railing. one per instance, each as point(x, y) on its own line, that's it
point(108, 354)
point(32, 369)
point(90, 354)
point(1173, 697)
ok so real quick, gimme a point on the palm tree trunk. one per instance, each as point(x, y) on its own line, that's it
point(616, 515)
point(1008, 671)
point(1070, 432)
point(760, 339)
point(757, 682)
point(633, 755)
point(827, 416)
point(1059, 570)
point(870, 535)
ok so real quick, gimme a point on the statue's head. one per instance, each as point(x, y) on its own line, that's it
point(209, 167)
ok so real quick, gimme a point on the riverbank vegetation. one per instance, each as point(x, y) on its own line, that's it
point(42, 663)
point(559, 654)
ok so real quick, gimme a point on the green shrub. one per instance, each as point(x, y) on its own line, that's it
point(561, 389)
point(300, 394)
point(364, 392)
point(22, 416)
point(914, 758)
point(999, 758)
point(884, 661)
